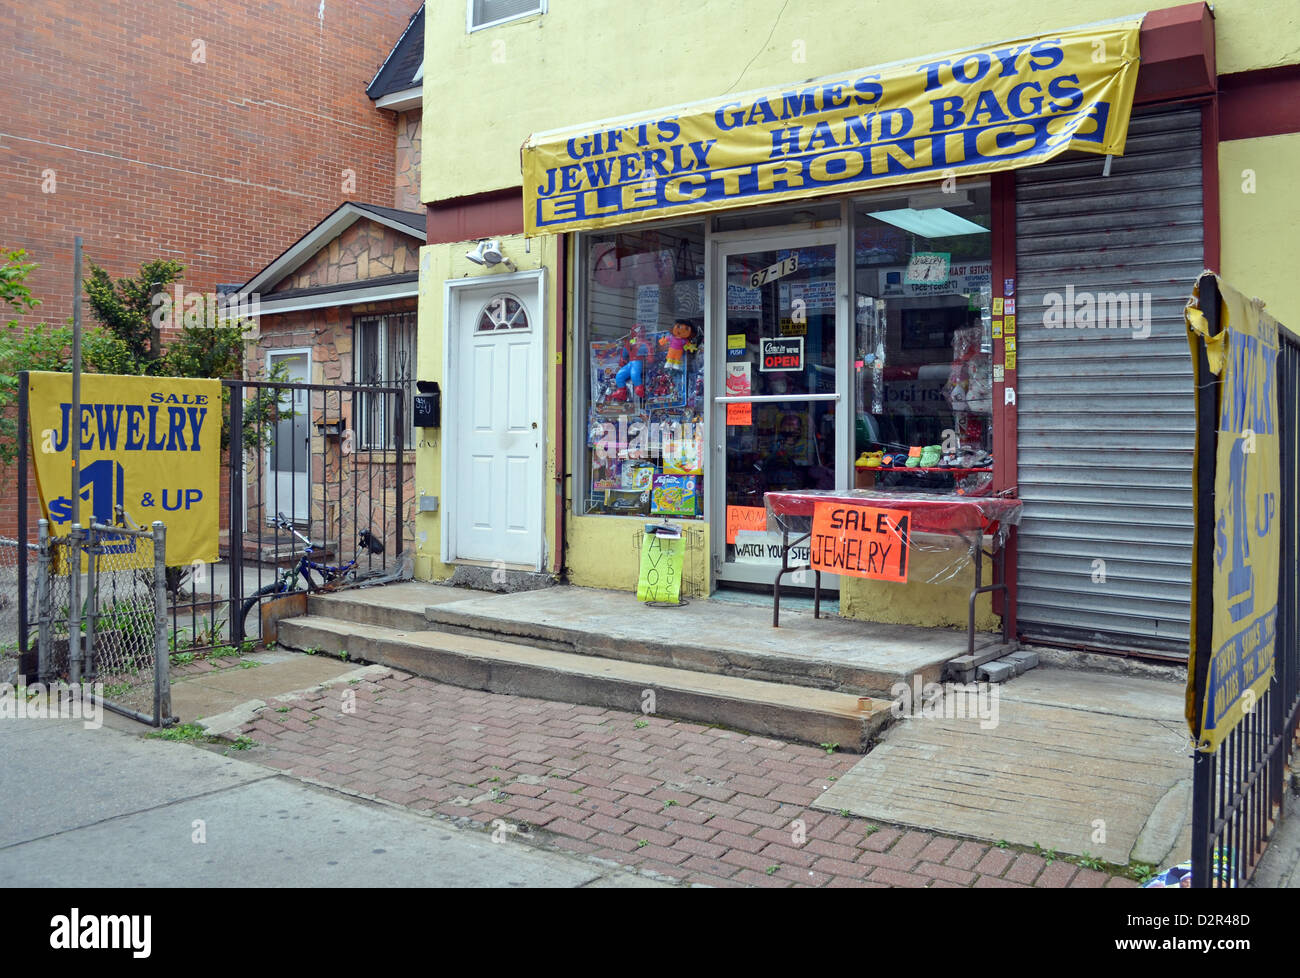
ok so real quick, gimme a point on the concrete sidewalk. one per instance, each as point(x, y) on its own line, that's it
point(105, 807)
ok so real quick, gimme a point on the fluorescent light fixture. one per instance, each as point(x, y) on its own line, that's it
point(933, 222)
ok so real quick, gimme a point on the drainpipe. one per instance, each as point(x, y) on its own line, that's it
point(561, 396)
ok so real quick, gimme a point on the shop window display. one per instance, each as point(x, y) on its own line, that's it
point(923, 326)
point(644, 344)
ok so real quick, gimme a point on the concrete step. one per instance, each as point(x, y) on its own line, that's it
point(388, 607)
point(736, 641)
point(791, 712)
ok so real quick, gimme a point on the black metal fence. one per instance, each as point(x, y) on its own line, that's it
point(295, 453)
point(1237, 794)
point(307, 474)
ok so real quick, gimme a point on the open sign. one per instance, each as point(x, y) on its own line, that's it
point(777, 353)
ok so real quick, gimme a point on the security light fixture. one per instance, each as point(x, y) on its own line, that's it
point(488, 253)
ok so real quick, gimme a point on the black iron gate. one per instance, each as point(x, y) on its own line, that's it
point(1237, 793)
point(333, 460)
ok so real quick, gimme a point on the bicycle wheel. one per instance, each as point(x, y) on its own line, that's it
point(255, 599)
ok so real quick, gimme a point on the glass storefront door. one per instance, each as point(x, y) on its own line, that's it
point(778, 362)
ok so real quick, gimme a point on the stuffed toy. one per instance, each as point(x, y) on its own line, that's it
point(681, 335)
point(632, 369)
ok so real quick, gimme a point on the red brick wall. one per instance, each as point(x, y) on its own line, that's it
point(221, 164)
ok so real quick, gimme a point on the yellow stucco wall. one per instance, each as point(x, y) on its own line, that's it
point(1260, 214)
point(439, 264)
point(596, 59)
point(604, 58)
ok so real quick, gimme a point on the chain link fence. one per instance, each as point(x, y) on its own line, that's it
point(102, 609)
point(12, 553)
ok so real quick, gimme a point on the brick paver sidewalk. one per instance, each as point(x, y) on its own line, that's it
point(696, 804)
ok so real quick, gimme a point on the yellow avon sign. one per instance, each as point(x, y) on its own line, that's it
point(977, 111)
point(151, 445)
point(1238, 665)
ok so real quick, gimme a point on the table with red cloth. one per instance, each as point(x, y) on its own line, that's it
point(974, 519)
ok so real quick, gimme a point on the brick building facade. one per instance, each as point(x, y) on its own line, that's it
point(211, 134)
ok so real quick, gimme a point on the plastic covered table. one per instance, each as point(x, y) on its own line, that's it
point(974, 519)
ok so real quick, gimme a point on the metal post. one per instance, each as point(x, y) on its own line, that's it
point(235, 537)
point(74, 425)
point(24, 661)
point(401, 475)
point(1207, 447)
point(74, 604)
point(89, 669)
point(162, 690)
point(44, 633)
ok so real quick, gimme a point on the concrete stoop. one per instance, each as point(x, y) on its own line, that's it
point(682, 652)
point(814, 716)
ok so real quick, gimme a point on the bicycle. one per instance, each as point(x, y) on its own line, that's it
point(331, 575)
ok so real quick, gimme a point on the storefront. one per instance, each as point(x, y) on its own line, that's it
point(852, 281)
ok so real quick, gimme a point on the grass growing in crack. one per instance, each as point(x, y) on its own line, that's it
point(642, 843)
point(829, 748)
point(641, 724)
point(242, 743)
point(249, 665)
point(182, 732)
point(771, 870)
point(1140, 872)
point(1048, 854)
point(871, 830)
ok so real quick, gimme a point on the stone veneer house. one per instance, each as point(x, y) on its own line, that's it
point(338, 307)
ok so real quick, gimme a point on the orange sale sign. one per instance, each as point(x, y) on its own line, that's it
point(861, 541)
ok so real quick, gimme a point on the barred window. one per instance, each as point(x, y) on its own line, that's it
point(383, 355)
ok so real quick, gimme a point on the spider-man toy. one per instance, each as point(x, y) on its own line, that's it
point(633, 361)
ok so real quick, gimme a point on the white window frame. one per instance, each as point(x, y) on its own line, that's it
point(471, 27)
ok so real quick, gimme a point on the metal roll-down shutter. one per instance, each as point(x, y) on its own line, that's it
point(1106, 419)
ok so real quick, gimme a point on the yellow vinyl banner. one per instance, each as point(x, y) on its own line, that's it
point(1247, 530)
point(151, 445)
point(977, 111)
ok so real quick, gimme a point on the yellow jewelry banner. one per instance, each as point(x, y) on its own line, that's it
point(151, 445)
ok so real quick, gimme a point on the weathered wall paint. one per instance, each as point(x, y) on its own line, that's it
point(1259, 210)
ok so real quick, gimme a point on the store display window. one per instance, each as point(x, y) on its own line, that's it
point(642, 340)
point(924, 325)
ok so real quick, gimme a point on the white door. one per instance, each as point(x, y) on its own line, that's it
point(496, 422)
point(287, 488)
